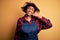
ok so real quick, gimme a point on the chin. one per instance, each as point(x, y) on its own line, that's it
point(29, 15)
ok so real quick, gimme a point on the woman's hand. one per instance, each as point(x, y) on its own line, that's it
point(36, 14)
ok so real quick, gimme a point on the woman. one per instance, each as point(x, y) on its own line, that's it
point(31, 23)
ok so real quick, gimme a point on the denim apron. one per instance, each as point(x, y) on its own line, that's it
point(29, 31)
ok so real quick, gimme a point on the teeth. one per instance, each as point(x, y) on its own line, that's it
point(29, 12)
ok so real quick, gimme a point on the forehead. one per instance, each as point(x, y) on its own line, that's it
point(31, 7)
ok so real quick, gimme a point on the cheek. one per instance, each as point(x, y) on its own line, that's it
point(32, 10)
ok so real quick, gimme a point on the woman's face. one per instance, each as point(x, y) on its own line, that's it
point(30, 10)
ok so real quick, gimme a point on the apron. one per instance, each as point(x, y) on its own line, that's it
point(29, 31)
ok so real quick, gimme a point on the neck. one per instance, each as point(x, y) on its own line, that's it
point(28, 17)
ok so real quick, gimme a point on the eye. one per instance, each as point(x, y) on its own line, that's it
point(32, 9)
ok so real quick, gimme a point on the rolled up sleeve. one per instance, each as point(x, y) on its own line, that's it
point(44, 23)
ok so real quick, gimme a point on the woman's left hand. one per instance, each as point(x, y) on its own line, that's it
point(36, 14)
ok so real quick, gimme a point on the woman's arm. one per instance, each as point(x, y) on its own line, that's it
point(19, 24)
point(43, 22)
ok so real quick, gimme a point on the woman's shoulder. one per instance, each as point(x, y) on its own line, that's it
point(20, 18)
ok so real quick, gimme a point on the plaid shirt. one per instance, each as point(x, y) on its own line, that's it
point(43, 23)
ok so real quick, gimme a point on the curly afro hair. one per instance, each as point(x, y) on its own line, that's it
point(24, 8)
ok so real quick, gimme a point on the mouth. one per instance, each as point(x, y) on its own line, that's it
point(29, 12)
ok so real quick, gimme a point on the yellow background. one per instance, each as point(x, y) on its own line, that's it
point(10, 11)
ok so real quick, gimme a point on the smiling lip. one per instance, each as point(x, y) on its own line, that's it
point(29, 12)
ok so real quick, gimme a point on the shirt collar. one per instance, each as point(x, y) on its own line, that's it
point(32, 18)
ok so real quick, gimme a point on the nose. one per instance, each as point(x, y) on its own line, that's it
point(30, 10)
